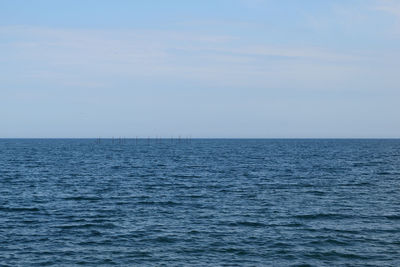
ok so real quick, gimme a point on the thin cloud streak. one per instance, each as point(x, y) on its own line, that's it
point(85, 57)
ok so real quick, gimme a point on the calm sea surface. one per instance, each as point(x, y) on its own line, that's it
point(199, 202)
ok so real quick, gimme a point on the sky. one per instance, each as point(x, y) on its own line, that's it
point(210, 68)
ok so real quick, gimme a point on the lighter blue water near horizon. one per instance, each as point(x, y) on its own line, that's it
point(199, 202)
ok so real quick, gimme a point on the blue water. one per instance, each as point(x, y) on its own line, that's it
point(200, 202)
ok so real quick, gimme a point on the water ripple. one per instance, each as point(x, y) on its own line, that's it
point(199, 203)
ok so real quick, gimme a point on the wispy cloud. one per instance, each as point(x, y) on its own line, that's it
point(94, 58)
point(392, 8)
point(389, 6)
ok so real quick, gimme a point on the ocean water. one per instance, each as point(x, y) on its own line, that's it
point(199, 202)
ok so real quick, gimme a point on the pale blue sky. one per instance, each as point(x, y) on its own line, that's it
point(220, 68)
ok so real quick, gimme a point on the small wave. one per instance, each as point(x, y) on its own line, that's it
point(196, 196)
point(383, 173)
point(247, 223)
point(9, 209)
point(335, 254)
point(237, 251)
point(393, 217)
point(342, 231)
point(95, 233)
point(323, 241)
point(316, 192)
point(355, 184)
point(29, 221)
point(322, 216)
point(366, 164)
point(108, 262)
point(117, 167)
point(87, 225)
point(280, 245)
point(185, 176)
point(78, 198)
point(164, 239)
point(158, 203)
point(291, 224)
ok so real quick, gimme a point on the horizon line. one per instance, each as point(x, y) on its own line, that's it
point(198, 138)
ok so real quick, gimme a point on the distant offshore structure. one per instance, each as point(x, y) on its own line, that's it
point(145, 140)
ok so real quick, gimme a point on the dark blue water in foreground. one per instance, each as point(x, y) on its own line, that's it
point(200, 203)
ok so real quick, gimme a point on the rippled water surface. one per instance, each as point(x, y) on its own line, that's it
point(200, 202)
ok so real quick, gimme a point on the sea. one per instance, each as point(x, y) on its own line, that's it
point(199, 202)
